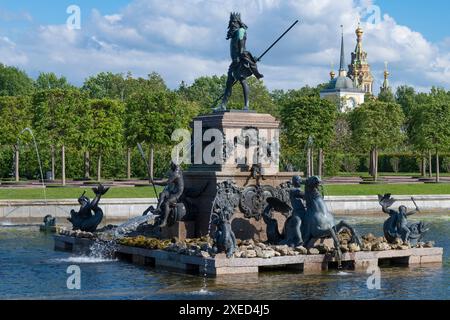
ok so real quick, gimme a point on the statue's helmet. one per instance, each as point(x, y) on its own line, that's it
point(402, 209)
point(234, 24)
point(235, 17)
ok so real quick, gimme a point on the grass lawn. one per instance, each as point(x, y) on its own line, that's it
point(393, 174)
point(147, 192)
point(74, 193)
point(395, 189)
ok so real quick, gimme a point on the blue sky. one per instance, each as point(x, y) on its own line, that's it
point(429, 17)
point(184, 39)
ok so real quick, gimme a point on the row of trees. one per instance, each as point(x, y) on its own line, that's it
point(110, 113)
point(405, 122)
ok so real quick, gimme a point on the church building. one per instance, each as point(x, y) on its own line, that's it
point(346, 91)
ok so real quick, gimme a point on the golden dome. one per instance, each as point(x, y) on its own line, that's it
point(359, 31)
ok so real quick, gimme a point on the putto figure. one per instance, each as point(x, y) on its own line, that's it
point(243, 63)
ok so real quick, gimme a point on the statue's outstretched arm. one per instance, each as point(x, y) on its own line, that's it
point(388, 211)
point(410, 213)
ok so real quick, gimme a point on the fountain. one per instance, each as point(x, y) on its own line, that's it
point(39, 162)
point(234, 193)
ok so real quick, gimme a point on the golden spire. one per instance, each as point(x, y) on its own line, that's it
point(359, 31)
point(386, 72)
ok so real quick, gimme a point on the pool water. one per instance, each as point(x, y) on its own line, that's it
point(31, 269)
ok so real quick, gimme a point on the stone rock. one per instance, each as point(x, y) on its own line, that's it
point(238, 254)
point(250, 254)
point(344, 236)
point(277, 254)
point(353, 247)
point(283, 250)
point(429, 244)
point(301, 250)
point(267, 254)
point(261, 245)
point(367, 247)
point(344, 248)
point(313, 251)
point(328, 242)
point(291, 252)
point(204, 254)
point(369, 237)
point(381, 246)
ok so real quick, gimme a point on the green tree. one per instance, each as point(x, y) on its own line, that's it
point(105, 85)
point(14, 82)
point(15, 116)
point(117, 86)
point(376, 125)
point(303, 117)
point(57, 115)
point(152, 116)
point(204, 91)
point(430, 124)
point(405, 96)
point(46, 81)
point(386, 95)
point(107, 125)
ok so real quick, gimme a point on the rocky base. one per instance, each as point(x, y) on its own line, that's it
point(203, 247)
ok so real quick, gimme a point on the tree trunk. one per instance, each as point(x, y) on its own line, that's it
point(376, 164)
point(87, 165)
point(423, 169)
point(312, 162)
point(99, 167)
point(128, 163)
point(437, 167)
point(151, 161)
point(320, 163)
point(53, 156)
point(308, 163)
point(16, 163)
point(430, 167)
point(63, 164)
point(371, 163)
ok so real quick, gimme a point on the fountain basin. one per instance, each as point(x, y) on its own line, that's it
point(220, 265)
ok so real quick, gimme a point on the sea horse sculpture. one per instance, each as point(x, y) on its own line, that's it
point(84, 220)
point(319, 222)
point(397, 225)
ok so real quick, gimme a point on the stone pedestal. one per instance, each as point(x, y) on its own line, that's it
point(182, 230)
point(249, 139)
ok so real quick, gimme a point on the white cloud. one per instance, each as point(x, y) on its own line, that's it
point(183, 40)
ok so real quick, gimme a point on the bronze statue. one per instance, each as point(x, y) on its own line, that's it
point(84, 220)
point(292, 235)
point(397, 226)
point(225, 203)
point(243, 63)
point(169, 205)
